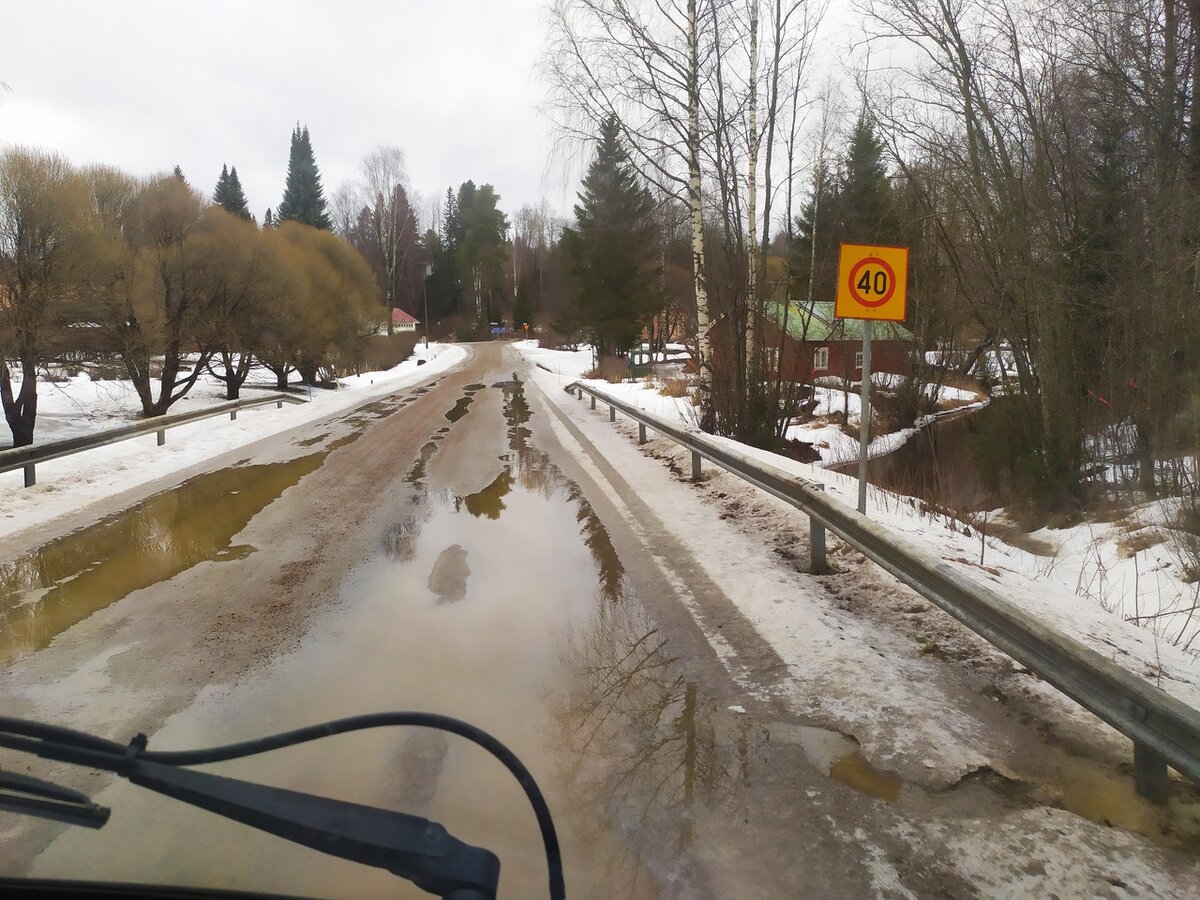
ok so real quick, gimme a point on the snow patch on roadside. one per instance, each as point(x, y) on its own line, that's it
point(82, 406)
point(1130, 568)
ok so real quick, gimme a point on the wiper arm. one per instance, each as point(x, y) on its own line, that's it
point(34, 797)
point(409, 846)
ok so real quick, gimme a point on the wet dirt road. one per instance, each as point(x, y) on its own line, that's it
point(424, 552)
point(440, 550)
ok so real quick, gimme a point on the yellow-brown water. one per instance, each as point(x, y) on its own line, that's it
point(44, 592)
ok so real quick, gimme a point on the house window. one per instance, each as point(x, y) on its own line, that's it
point(858, 360)
point(821, 359)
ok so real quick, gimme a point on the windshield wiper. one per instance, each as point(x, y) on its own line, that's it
point(409, 846)
point(32, 796)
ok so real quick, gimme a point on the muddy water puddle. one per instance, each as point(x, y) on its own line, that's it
point(460, 408)
point(44, 592)
point(1104, 796)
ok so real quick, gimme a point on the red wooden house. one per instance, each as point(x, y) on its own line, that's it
point(806, 343)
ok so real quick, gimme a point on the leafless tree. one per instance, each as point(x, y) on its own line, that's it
point(42, 256)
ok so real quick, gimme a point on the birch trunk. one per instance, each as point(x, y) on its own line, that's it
point(752, 211)
point(703, 324)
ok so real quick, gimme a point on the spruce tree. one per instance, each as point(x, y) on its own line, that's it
point(611, 251)
point(237, 197)
point(221, 191)
point(268, 219)
point(303, 197)
point(865, 201)
point(178, 173)
point(229, 195)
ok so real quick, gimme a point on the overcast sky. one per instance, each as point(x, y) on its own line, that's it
point(148, 84)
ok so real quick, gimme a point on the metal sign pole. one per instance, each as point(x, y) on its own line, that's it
point(864, 435)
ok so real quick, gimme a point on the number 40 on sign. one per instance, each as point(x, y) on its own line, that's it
point(872, 283)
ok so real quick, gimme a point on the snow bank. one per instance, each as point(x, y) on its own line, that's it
point(82, 406)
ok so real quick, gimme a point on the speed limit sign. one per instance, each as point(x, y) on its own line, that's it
point(872, 283)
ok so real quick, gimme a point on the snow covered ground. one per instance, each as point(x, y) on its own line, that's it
point(82, 406)
point(1129, 569)
point(833, 444)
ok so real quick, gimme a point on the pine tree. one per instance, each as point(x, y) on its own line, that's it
point(612, 251)
point(268, 219)
point(178, 173)
point(303, 196)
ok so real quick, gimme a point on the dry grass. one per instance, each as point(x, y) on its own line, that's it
point(674, 387)
point(1143, 539)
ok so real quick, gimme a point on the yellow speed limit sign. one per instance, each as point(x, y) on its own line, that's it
point(872, 283)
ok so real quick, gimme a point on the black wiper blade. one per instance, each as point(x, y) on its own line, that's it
point(412, 847)
point(34, 797)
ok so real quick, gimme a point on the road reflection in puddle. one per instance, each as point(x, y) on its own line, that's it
point(44, 592)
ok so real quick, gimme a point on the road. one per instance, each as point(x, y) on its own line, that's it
point(464, 547)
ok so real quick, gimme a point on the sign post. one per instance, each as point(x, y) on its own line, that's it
point(864, 431)
point(872, 286)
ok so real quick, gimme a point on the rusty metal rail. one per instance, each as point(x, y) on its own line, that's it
point(1165, 731)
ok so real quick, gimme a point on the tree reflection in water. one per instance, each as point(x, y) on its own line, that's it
point(648, 749)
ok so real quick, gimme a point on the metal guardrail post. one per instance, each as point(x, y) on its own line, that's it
point(233, 415)
point(279, 404)
point(818, 562)
point(30, 475)
point(593, 402)
point(162, 437)
point(695, 466)
point(612, 414)
point(1150, 777)
point(641, 432)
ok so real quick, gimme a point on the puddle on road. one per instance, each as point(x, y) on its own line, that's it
point(489, 502)
point(838, 756)
point(344, 440)
point(416, 472)
point(1107, 797)
point(647, 747)
point(1082, 787)
point(450, 573)
point(44, 592)
point(460, 408)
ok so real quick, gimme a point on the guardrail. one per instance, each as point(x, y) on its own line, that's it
point(1164, 730)
point(28, 457)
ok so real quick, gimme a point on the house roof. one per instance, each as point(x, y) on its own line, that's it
point(818, 323)
point(400, 317)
